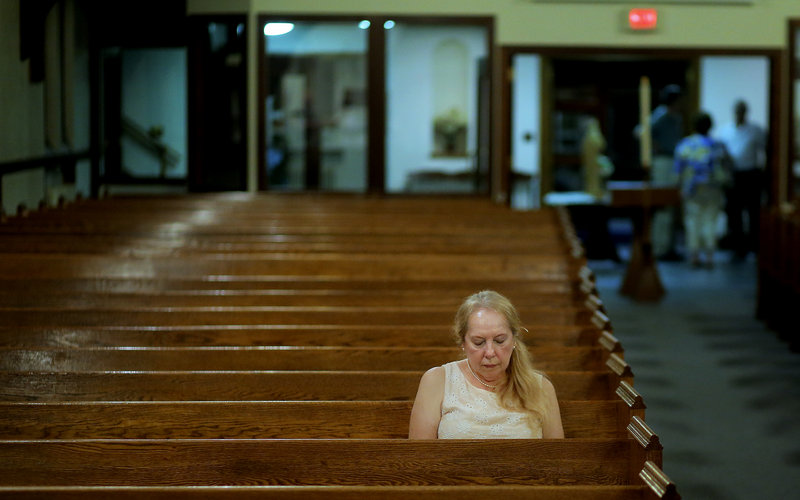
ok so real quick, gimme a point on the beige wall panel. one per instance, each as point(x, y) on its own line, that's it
point(21, 122)
point(531, 22)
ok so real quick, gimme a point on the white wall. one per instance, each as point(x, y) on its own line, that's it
point(525, 129)
point(154, 93)
point(761, 23)
point(526, 113)
point(410, 102)
point(724, 80)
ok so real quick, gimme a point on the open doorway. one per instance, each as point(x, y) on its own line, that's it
point(145, 115)
point(218, 103)
point(555, 93)
point(606, 91)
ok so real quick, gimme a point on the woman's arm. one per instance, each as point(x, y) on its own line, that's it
point(427, 409)
point(551, 427)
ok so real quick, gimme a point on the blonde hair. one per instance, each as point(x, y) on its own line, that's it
point(523, 390)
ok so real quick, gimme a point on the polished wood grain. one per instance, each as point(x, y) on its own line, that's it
point(260, 420)
point(51, 296)
point(257, 386)
point(440, 286)
point(471, 492)
point(279, 335)
point(319, 462)
point(349, 265)
point(570, 358)
point(267, 315)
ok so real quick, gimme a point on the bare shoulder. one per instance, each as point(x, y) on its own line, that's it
point(552, 427)
point(427, 410)
point(547, 386)
point(543, 379)
point(432, 380)
point(434, 374)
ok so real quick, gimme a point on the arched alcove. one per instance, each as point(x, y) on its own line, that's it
point(450, 59)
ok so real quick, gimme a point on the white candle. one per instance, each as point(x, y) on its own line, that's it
point(645, 140)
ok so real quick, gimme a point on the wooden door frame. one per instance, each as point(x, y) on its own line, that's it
point(793, 71)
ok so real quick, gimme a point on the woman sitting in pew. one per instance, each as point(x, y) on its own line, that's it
point(495, 392)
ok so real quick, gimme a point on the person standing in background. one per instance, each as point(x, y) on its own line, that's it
point(746, 145)
point(700, 163)
point(666, 124)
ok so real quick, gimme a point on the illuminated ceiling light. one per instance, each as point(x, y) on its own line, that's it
point(388, 25)
point(364, 24)
point(275, 29)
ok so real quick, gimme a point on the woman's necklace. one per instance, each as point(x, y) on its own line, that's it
point(492, 387)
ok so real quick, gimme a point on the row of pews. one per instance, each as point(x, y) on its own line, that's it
point(779, 270)
point(234, 346)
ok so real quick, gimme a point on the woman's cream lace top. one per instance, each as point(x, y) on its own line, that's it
point(472, 413)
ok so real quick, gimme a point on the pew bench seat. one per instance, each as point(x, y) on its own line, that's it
point(258, 385)
point(280, 335)
point(561, 492)
point(255, 358)
point(263, 419)
point(322, 462)
point(90, 315)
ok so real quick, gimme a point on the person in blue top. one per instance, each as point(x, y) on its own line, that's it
point(702, 166)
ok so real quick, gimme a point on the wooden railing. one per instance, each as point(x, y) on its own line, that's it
point(65, 162)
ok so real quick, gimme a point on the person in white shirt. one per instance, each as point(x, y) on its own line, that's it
point(746, 145)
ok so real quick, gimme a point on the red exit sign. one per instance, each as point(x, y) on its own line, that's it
point(642, 19)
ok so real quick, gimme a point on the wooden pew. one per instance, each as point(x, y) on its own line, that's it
point(280, 335)
point(196, 210)
point(349, 265)
point(325, 462)
point(453, 286)
point(311, 258)
point(162, 223)
point(268, 315)
point(779, 271)
point(45, 296)
point(262, 420)
point(664, 490)
point(565, 358)
point(152, 245)
point(259, 385)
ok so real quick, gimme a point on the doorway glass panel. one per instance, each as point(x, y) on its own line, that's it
point(437, 105)
point(154, 112)
point(316, 120)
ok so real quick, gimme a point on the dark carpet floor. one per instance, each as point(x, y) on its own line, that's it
point(722, 391)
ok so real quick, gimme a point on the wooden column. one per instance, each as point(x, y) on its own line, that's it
point(642, 281)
